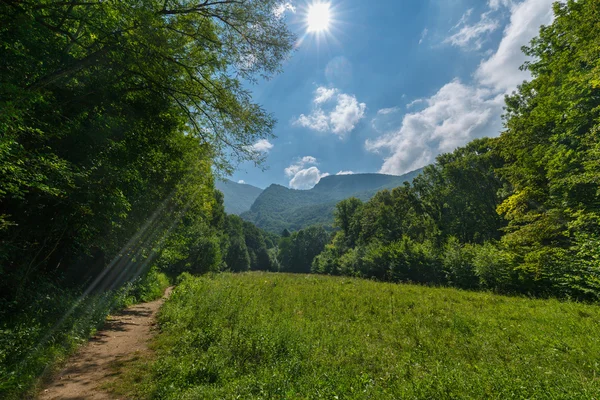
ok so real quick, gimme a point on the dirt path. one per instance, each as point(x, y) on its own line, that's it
point(123, 336)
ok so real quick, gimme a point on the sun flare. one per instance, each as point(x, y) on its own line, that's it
point(318, 17)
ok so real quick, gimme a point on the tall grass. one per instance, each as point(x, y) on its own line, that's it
point(261, 335)
point(51, 322)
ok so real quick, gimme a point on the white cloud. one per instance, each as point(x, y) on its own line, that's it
point(309, 160)
point(501, 70)
point(262, 146)
point(280, 10)
point(459, 112)
point(423, 35)
point(302, 176)
point(414, 103)
point(333, 111)
point(496, 4)
point(453, 116)
point(472, 36)
point(307, 178)
point(298, 165)
point(322, 94)
point(386, 111)
point(345, 173)
point(241, 181)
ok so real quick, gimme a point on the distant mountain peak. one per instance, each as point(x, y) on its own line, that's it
point(238, 197)
point(279, 207)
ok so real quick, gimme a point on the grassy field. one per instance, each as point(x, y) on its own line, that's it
point(261, 335)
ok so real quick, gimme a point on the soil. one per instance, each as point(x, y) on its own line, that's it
point(123, 337)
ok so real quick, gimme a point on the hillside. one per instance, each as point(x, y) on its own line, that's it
point(238, 197)
point(279, 208)
point(280, 336)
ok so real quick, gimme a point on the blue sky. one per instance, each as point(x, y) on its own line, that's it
point(392, 84)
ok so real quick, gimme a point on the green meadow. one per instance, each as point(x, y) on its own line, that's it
point(264, 335)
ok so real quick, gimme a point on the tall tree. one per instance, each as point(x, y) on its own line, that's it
point(108, 107)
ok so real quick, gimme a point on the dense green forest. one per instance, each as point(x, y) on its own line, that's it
point(114, 117)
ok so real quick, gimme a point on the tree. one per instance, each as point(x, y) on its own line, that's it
point(112, 116)
point(551, 145)
point(345, 218)
point(297, 252)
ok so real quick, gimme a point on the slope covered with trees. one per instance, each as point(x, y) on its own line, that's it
point(237, 197)
point(279, 208)
point(520, 213)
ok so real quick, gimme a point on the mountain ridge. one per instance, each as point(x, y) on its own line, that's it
point(238, 197)
point(279, 207)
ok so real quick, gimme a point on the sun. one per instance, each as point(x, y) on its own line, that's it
point(318, 17)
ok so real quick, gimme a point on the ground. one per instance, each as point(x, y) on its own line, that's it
point(124, 337)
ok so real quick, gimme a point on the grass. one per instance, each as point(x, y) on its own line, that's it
point(39, 333)
point(261, 335)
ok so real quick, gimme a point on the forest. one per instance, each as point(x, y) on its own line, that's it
point(116, 117)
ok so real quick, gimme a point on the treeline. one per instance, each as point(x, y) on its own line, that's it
point(114, 116)
point(516, 214)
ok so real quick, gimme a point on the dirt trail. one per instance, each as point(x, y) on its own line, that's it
point(123, 336)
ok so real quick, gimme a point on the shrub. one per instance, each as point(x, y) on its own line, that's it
point(493, 267)
point(457, 262)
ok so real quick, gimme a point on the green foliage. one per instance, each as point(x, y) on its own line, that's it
point(113, 117)
point(551, 143)
point(247, 247)
point(457, 260)
point(297, 252)
point(287, 336)
point(238, 259)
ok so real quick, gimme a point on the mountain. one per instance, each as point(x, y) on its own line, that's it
point(278, 208)
point(239, 197)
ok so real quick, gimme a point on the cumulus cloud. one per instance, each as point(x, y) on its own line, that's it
point(322, 94)
point(345, 173)
point(501, 70)
point(460, 112)
point(307, 178)
point(333, 112)
point(303, 175)
point(262, 146)
point(453, 116)
point(241, 181)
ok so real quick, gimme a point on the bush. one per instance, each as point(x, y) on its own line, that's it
point(149, 287)
point(328, 262)
point(493, 267)
point(457, 262)
point(583, 281)
point(401, 261)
